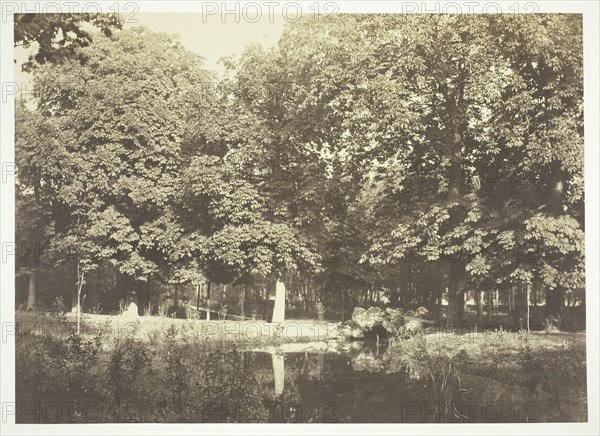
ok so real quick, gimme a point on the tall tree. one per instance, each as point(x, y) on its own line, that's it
point(451, 193)
point(125, 108)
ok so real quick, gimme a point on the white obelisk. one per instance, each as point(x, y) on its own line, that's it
point(279, 307)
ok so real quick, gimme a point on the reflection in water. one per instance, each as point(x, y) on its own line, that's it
point(278, 361)
point(327, 385)
point(355, 384)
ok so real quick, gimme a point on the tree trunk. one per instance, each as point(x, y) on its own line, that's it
point(243, 302)
point(440, 296)
point(555, 297)
point(176, 296)
point(80, 278)
point(343, 303)
point(518, 303)
point(509, 300)
point(31, 294)
point(141, 295)
point(197, 296)
point(279, 307)
point(304, 290)
point(208, 301)
point(148, 295)
point(490, 304)
point(74, 300)
point(433, 299)
point(554, 306)
point(456, 297)
point(455, 106)
point(79, 286)
point(528, 304)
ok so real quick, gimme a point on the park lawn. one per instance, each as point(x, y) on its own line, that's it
point(152, 328)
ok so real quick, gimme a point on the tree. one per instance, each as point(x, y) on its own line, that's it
point(451, 89)
point(123, 113)
point(239, 242)
point(59, 36)
point(31, 219)
point(545, 95)
point(44, 31)
point(365, 155)
point(287, 144)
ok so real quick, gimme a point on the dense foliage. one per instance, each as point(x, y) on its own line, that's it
point(364, 159)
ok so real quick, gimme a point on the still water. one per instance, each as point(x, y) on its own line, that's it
point(359, 384)
point(329, 387)
point(327, 382)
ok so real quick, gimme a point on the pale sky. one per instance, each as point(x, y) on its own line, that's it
point(207, 36)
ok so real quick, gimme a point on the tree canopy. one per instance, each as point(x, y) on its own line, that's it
point(408, 155)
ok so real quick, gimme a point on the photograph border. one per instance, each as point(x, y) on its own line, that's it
point(591, 25)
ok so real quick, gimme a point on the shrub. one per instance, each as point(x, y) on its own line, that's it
point(128, 357)
point(190, 313)
point(223, 312)
point(438, 368)
point(163, 308)
point(177, 312)
point(58, 306)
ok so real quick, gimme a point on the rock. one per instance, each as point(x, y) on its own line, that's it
point(358, 313)
point(551, 329)
point(413, 327)
point(393, 320)
point(368, 319)
point(442, 315)
point(422, 312)
point(350, 330)
point(131, 312)
point(394, 311)
point(367, 361)
point(300, 347)
point(350, 348)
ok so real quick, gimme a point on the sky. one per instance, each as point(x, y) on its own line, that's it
point(209, 37)
point(205, 35)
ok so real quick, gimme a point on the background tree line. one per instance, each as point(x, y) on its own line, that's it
point(366, 159)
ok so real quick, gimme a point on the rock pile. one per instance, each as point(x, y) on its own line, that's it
point(374, 320)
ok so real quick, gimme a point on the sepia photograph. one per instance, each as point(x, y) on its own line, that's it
point(275, 213)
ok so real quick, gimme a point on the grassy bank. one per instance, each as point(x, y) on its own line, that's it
point(540, 376)
point(150, 329)
point(167, 370)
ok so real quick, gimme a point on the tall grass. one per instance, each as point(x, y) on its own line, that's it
point(119, 378)
point(441, 371)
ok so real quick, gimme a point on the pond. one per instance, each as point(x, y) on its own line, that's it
point(328, 387)
point(174, 379)
point(359, 384)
